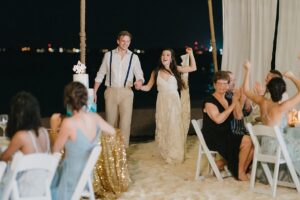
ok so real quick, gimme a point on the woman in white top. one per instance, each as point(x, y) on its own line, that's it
point(28, 136)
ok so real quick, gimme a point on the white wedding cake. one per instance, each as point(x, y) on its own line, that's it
point(83, 78)
point(80, 75)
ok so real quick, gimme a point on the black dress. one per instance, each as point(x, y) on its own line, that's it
point(219, 137)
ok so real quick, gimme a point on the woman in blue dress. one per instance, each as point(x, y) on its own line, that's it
point(78, 134)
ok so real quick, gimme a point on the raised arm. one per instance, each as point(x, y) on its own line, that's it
point(150, 83)
point(255, 98)
point(291, 102)
point(238, 109)
point(192, 67)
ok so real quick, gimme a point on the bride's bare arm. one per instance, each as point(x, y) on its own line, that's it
point(150, 83)
point(192, 67)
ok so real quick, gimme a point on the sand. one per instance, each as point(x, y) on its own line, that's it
point(152, 178)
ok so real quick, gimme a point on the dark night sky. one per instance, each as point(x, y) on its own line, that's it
point(154, 24)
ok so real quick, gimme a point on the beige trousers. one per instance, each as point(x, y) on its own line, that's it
point(118, 109)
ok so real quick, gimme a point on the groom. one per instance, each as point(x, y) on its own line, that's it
point(120, 66)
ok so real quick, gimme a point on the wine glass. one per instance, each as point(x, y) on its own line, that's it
point(3, 123)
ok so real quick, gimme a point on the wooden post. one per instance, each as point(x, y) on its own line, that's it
point(212, 34)
point(82, 34)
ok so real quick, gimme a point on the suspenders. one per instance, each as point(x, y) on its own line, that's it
point(127, 74)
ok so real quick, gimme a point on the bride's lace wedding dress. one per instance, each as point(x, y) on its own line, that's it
point(169, 133)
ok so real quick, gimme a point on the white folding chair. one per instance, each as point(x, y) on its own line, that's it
point(203, 149)
point(85, 180)
point(280, 157)
point(22, 164)
point(2, 168)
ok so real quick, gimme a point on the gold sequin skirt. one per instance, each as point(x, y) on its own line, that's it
point(111, 175)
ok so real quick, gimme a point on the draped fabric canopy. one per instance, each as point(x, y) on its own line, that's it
point(288, 40)
point(248, 29)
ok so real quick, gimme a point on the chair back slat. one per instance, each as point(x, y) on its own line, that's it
point(46, 163)
point(281, 156)
point(85, 178)
point(2, 169)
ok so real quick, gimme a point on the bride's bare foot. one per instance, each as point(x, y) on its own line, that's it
point(243, 176)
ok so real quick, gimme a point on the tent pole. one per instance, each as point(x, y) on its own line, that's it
point(212, 34)
point(82, 34)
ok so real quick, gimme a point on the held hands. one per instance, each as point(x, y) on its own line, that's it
point(138, 84)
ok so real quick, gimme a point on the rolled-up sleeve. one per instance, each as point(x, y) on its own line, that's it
point(137, 70)
point(103, 69)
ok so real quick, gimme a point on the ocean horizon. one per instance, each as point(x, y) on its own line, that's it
point(45, 75)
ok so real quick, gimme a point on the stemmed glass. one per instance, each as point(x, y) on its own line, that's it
point(3, 123)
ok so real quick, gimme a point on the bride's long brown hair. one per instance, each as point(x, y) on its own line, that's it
point(173, 68)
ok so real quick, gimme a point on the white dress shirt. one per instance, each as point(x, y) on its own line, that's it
point(119, 68)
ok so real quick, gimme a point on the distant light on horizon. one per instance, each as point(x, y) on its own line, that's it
point(51, 50)
point(75, 50)
point(23, 49)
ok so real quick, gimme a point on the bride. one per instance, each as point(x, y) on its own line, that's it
point(169, 132)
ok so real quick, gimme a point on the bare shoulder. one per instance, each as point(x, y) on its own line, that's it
point(20, 137)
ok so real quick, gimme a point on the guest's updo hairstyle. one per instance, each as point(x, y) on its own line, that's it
point(276, 87)
point(221, 75)
point(75, 95)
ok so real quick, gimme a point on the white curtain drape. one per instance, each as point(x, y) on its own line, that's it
point(248, 31)
point(288, 40)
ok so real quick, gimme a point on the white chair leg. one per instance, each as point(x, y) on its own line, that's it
point(91, 190)
point(198, 164)
point(253, 173)
point(267, 172)
point(275, 179)
point(215, 168)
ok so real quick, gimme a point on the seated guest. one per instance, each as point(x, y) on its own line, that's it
point(78, 134)
point(263, 91)
point(273, 111)
point(237, 150)
point(242, 109)
point(27, 135)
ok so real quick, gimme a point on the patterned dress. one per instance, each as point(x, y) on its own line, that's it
point(169, 133)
